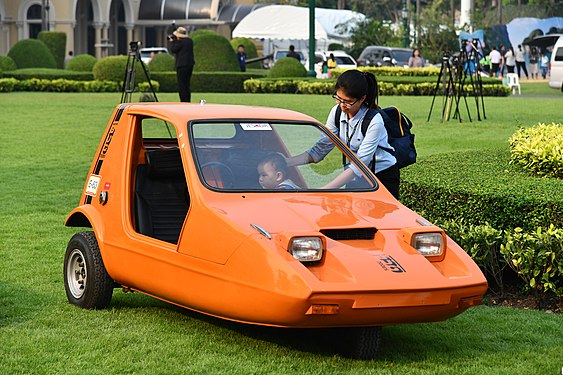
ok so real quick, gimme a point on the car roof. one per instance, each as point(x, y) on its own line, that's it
point(181, 113)
point(151, 49)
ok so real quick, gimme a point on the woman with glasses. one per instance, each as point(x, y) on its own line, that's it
point(356, 94)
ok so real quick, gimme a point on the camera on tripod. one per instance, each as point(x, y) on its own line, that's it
point(171, 37)
point(134, 46)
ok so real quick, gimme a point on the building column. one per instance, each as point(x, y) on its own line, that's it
point(98, 39)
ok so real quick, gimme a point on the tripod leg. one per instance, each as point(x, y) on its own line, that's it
point(435, 91)
point(148, 79)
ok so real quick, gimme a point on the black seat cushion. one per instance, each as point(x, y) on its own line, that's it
point(161, 196)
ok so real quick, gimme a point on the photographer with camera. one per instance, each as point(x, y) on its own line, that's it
point(183, 47)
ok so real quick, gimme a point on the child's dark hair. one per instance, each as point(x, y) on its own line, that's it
point(277, 160)
point(357, 84)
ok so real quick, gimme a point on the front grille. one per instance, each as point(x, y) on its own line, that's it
point(350, 234)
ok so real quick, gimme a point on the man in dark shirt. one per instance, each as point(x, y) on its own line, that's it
point(183, 47)
point(292, 53)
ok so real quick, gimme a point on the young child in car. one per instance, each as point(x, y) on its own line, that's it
point(272, 172)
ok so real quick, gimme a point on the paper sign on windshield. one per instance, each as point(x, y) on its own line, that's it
point(255, 126)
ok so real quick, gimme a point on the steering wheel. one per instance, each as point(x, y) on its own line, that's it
point(218, 175)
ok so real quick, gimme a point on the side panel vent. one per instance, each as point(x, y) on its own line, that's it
point(350, 234)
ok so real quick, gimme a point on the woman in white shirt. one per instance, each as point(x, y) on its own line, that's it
point(356, 94)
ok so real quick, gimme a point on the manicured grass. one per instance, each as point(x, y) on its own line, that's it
point(48, 141)
point(538, 87)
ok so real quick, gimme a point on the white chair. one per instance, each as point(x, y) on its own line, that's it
point(512, 82)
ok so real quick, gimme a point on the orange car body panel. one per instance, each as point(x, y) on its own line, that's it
point(223, 267)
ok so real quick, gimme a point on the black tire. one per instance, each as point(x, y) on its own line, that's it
point(361, 342)
point(87, 282)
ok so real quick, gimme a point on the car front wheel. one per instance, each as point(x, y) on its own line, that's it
point(87, 282)
point(361, 342)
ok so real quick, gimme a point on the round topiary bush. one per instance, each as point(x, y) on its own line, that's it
point(200, 32)
point(249, 49)
point(112, 68)
point(213, 53)
point(287, 67)
point(7, 64)
point(162, 62)
point(81, 63)
point(32, 53)
point(56, 42)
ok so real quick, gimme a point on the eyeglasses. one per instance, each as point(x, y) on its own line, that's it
point(345, 103)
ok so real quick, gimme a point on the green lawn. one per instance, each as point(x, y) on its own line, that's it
point(48, 141)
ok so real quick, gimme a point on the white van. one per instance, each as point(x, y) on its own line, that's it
point(556, 72)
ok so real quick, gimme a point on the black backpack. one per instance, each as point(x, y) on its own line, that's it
point(398, 127)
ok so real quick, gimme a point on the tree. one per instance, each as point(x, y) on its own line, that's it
point(371, 32)
point(437, 34)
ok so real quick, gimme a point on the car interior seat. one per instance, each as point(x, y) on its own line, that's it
point(161, 195)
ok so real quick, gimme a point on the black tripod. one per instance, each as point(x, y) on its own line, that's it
point(446, 80)
point(130, 70)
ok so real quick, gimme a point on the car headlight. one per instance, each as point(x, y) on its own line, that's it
point(306, 249)
point(428, 244)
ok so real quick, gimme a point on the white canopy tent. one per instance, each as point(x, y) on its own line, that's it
point(281, 25)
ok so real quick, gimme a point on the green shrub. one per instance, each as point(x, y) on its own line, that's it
point(113, 68)
point(537, 257)
point(326, 87)
point(206, 81)
point(482, 243)
point(539, 149)
point(81, 63)
point(45, 73)
point(7, 64)
point(56, 42)
point(287, 67)
point(213, 53)
point(201, 32)
point(65, 85)
point(492, 191)
point(162, 62)
point(32, 53)
point(249, 49)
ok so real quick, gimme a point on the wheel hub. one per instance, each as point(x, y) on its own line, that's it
point(76, 273)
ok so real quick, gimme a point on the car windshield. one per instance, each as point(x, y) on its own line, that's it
point(344, 60)
point(253, 156)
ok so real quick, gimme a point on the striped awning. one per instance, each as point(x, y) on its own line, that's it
point(177, 9)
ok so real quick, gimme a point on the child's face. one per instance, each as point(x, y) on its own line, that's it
point(268, 178)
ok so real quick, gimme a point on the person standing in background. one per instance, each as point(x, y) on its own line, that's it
point(415, 61)
point(509, 60)
point(241, 57)
point(183, 47)
point(520, 56)
point(534, 60)
point(293, 54)
point(495, 58)
point(544, 65)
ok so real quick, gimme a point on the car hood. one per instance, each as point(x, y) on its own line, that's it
point(313, 212)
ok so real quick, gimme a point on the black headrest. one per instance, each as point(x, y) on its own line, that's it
point(164, 163)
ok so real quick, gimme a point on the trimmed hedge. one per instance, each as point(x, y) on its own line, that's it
point(82, 63)
point(539, 149)
point(44, 73)
point(206, 81)
point(64, 85)
point(112, 68)
point(287, 67)
point(492, 191)
point(430, 71)
point(32, 53)
point(56, 42)
point(7, 64)
point(213, 53)
point(162, 62)
point(326, 87)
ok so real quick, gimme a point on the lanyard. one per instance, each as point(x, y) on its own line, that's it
point(349, 136)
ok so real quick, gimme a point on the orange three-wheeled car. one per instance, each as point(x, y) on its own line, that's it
point(196, 205)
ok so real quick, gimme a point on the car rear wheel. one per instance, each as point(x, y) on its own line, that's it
point(87, 282)
point(361, 342)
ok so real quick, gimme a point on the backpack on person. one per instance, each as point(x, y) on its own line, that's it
point(399, 135)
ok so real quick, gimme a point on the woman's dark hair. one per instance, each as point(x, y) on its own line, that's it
point(357, 84)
